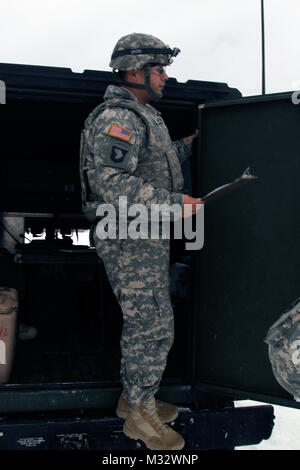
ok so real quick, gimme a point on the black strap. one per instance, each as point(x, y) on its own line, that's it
point(144, 86)
point(146, 50)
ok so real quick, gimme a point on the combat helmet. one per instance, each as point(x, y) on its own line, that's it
point(136, 51)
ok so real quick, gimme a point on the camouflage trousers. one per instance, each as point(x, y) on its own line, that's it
point(138, 271)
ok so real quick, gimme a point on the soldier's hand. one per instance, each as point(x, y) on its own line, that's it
point(190, 205)
point(193, 136)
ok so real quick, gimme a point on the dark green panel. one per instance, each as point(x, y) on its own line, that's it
point(249, 268)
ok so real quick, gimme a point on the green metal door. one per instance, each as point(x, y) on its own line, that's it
point(248, 271)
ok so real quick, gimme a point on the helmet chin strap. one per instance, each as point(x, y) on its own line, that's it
point(155, 96)
point(145, 86)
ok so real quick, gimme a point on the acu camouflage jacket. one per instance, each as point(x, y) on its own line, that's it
point(126, 150)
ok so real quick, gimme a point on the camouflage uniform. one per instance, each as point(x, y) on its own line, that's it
point(144, 165)
point(283, 339)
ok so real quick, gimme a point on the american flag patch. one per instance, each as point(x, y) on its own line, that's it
point(120, 133)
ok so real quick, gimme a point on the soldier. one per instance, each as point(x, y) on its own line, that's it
point(283, 339)
point(126, 150)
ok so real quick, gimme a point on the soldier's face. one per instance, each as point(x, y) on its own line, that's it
point(158, 78)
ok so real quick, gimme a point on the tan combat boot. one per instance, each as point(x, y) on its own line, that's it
point(144, 423)
point(166, 411)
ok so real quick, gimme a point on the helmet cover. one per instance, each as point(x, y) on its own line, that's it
point(136, 50)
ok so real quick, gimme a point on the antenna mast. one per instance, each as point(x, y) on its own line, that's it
point(263, 48)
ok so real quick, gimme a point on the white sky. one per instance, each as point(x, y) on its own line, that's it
point(220, 40)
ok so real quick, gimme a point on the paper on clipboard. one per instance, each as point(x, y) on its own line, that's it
point(221, 190)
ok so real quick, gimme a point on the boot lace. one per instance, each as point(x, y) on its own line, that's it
point(151, 411)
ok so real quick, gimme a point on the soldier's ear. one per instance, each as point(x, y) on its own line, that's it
point(131, 75)
point(135, 75)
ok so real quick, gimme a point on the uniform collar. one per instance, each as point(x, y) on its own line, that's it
point(117, 92)
point(114, 92)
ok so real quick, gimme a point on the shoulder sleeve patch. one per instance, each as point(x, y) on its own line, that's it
point(120, 133)
point(117, 154)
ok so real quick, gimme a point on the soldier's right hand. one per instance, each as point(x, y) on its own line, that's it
point(190, 205)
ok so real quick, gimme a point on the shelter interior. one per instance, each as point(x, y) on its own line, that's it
point(45, 253)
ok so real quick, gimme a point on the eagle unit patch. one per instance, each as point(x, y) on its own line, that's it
point(117, 149)
point(118, 153)
point(120, 133)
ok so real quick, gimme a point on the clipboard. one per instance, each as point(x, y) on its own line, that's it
point(226, 188)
